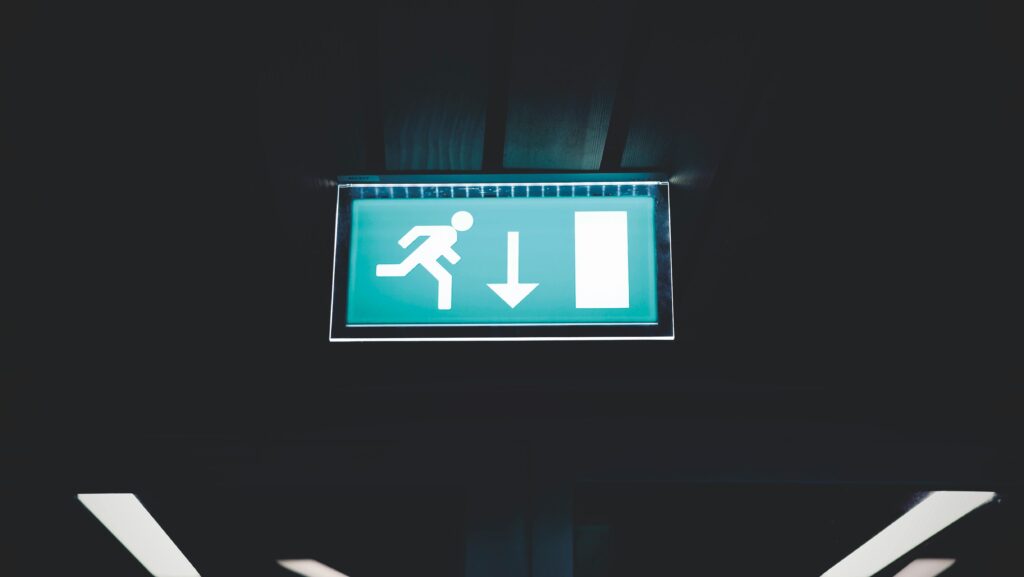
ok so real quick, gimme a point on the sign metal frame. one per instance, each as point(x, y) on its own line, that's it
point(348, 187)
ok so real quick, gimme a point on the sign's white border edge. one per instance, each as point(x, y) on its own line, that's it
point(671, 278)
point(474, 184)
point(468, 339)
point(334, 263)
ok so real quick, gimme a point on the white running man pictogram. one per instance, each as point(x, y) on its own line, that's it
point(438, 243)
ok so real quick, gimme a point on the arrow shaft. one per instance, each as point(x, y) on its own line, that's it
point(513, 258)
point(511, 291)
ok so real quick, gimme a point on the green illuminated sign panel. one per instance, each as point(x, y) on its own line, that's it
point(438, 262)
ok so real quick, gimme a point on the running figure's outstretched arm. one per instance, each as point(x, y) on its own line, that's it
point(452, 256)
point(414, 233)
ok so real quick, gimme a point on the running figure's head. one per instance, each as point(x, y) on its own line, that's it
point(462, 221)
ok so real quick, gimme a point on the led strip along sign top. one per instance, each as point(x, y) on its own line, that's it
point(502, 257)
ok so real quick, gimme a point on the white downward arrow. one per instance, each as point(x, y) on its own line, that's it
point(512, 292)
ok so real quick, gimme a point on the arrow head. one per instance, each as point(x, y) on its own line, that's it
point(513, 294)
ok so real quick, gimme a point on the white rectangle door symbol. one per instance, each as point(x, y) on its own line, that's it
point(602, 260)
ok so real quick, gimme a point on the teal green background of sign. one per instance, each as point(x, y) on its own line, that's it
point(547, 256)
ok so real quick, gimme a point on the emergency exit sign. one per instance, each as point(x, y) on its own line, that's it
point(510, 258)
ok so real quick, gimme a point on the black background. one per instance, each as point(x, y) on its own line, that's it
point(845, 280)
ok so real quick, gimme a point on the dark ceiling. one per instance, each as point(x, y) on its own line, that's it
point(845, 256)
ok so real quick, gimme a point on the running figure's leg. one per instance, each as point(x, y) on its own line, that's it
point(444, 284)
point(401, 269)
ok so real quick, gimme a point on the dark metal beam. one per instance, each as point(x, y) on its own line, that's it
point(369, 88)
point(497, 90)
point(622, 110)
